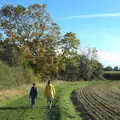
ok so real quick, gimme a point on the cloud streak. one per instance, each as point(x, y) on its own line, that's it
point(94, 16)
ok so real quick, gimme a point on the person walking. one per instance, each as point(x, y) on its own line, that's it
point(50, 94)
point(33, 94)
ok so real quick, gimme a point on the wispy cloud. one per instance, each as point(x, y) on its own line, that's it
point(93, 16)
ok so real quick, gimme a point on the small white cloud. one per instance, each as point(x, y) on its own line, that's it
point(109, 58)
point(94, 15)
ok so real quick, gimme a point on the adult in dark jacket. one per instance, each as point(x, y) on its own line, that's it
point(33, 94)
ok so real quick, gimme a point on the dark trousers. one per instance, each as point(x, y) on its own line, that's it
point(32, 100)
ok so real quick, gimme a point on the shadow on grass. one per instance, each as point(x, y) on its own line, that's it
point(54, 113)
point(15, 108)
point(21, 107)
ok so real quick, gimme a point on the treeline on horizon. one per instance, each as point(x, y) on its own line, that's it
point(111, 73)
point(30, 39)
point(110, 68)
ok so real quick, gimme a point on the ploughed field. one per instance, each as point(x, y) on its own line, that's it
point(99, 102)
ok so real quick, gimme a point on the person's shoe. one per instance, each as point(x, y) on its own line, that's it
point(50, 106)
point(32, 106)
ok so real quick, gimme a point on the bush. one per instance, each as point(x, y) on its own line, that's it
point(14, 76)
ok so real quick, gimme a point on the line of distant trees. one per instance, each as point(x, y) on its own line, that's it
point(109, 68)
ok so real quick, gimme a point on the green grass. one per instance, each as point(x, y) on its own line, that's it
point(18, 109)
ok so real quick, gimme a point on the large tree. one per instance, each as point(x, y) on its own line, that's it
point(32, 32)
point(27, 24)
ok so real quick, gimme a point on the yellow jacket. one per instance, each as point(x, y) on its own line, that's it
point(50, 91)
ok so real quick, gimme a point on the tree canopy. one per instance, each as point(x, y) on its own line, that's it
point(33, 39)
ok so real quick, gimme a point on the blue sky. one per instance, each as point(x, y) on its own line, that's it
point(96, 23)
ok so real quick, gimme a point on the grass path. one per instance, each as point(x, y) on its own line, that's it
point(63, 109)
point(20, 110)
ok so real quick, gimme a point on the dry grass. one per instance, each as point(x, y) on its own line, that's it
point(9, 94)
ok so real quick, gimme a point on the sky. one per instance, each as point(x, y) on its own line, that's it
point(96, 23)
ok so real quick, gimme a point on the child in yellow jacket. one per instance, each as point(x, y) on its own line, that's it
point(50, 93)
